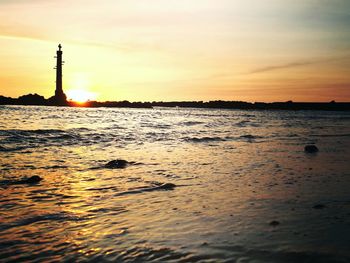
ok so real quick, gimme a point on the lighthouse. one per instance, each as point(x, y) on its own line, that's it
point(59, 99)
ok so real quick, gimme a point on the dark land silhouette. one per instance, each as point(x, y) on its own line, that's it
point(60, 99)
point(35, 99)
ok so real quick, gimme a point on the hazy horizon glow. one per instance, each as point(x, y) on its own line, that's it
point(138, 50)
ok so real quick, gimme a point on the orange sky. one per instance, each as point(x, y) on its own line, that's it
point(145, 50)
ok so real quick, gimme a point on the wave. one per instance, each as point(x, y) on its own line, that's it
point(55, 217)
point(14, 149)
point(139, 190)
point(221, 139)
point(42, 131)
point(28, 133)
point(204, 139)
point(332, 135)
point(250, 137)
point(17, 140)
point(265, 255)
point(191, 123)
point(55, 167)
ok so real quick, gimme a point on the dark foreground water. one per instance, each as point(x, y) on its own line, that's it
point(236, 172)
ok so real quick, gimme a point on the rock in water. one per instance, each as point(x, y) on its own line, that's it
point(274, 223)
point(311, 149)
point(116, 164)
point(319, 206)
point(31, 180)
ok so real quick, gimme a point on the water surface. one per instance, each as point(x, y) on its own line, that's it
point(236, 172)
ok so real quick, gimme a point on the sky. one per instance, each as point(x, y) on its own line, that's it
point(171, 50)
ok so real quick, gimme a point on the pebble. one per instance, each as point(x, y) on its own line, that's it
point(274, 223)
point(311, 148)
point(319, 206)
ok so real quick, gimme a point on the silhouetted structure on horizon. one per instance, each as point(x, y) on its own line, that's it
point(59, 99)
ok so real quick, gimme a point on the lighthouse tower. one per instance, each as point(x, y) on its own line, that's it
point(60, 99)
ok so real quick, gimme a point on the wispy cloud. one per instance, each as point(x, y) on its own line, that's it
point(23, 37)
point(296, 64)
point(121, 47)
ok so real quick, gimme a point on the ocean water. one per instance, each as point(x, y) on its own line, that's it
point(235, 173)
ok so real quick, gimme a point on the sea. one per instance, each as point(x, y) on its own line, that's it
point(242, 188)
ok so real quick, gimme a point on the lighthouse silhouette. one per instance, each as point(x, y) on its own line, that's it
point(59, 99)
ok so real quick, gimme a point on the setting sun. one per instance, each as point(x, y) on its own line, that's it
point(80, 96)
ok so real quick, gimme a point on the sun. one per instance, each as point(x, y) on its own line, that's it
point(80, 95)
point(80, 83)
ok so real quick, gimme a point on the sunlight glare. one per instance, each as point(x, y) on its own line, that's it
point(81, 96)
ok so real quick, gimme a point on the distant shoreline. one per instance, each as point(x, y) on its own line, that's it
point(37, 100)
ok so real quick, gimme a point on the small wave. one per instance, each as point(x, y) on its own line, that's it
point(331, 135)
point(205, 139)
point(250, 137)
point(139, 190)
point(50, 117)
point(56, 217)
point(5, 149)
point(246, 123)
point(81, 129)
point(41, 131)
point(14, 149)
point(66, 136)
point(248, 115)
point(16, 140)
point(22, 181)
point(162, 126)
point(55, 167)
point(105, 210)
point(26, 133)
point(157, 136)
point(261, 255)
point(292, 135)
point(102, 188)
point(242, 123)
point(191, 123)
point(148, 254)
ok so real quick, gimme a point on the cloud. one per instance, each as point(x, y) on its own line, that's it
point(121, 47)
point(296, 64)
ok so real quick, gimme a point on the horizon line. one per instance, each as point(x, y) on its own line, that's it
point(174, 101)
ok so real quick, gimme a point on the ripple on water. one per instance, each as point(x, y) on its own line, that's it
point(44, 218)
point(204, 139)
